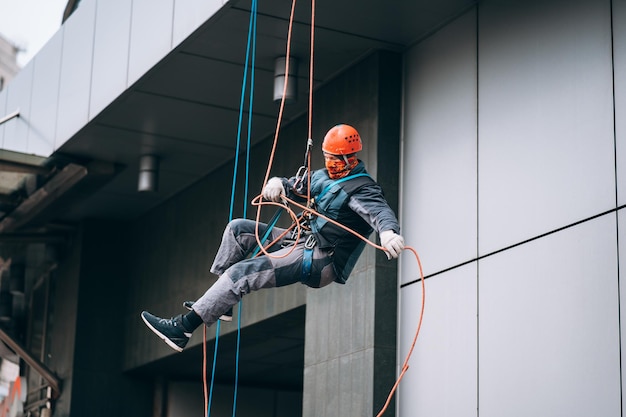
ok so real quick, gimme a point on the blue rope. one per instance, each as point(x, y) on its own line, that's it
point(251, 39)
point(254, 14)
point(241, 106)
point(270, 226)
point(253, 31)
point(237, 358)
point(217, 340)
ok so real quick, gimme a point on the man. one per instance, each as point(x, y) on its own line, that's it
point(323, 254)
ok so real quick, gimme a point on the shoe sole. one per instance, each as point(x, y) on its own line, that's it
point(223, 317)
point(162, 336)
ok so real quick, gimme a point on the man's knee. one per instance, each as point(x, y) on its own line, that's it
point(239, 226)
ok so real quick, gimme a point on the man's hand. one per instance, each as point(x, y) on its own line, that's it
point(392, 242)
point(274, 190)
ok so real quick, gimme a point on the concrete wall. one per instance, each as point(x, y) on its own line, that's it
point(513, 144)
point(183, 400)
point(351, 330)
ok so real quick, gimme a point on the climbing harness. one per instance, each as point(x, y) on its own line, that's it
point(307, 257)
point(339, 181)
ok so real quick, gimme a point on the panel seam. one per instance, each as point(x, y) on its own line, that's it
point(515, 245)
point(617, 241)
point(477, 210)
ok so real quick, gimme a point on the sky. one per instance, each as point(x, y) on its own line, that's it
point(29, 24)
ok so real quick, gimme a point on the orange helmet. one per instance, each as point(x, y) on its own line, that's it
point(342, 140)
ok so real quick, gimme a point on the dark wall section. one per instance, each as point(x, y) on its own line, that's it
point(89, 326)
point(350, 351)
point(62, 321)
point(386, 304)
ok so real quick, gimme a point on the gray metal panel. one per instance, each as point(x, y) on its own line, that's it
point(356, 296)
point(549, 326)
point(271, 36)
point(43, 115)
point(351, 380)
point(619, 54)
point(110, 55)
point(190, 14)
point(439, 158)
point(442, 379)
point(546, 147)
point(621, 221)
point(197, 78)
point(150, 113)
point(19, 98)
point(76, 65)
point(150, 35)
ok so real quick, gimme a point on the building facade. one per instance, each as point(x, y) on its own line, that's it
point(496, 129)
point(514, 141)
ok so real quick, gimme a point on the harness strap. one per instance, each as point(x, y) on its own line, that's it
point(307, 258)
point(339, 181)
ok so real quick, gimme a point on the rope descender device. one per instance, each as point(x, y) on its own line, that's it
point(304, 170)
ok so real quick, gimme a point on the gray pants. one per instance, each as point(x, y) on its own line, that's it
point(238, 275)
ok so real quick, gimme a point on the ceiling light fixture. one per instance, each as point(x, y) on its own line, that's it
point(291, 93)
point(148, 174)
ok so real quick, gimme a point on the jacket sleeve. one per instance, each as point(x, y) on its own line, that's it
point(370, 203)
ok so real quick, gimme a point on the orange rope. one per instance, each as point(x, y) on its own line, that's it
point(310, 137)
point(311, 69)
point(258, 201)
point(405, 365)
point(204, 371)
point(282, 100)
point(279, 119)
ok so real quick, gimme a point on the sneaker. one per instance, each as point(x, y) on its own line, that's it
point(170, 330)
point(228, 316)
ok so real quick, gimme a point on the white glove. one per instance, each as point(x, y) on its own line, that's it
point(274, 189)
point(392, 242)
